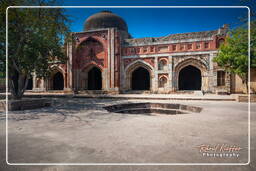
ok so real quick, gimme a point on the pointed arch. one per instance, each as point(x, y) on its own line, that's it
point(56, 68)
point(200, 64)
point(90, 65)
point(91, 38)
point(91, 77)
point(142, 69)
point(138, 63)
point(57, 79)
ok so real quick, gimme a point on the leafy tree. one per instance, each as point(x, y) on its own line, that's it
point(35, 39)
point(2, 43)
point(253, 44)
point(233, 54)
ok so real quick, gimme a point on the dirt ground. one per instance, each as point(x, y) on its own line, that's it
point(81, 131)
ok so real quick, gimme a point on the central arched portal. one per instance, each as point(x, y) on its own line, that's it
point(140, 79)
point(190, 78)
point(58, 81)
point(94, 79)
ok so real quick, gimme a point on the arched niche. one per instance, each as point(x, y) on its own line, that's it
point(162, 82)
point(162, 64)
point(91, 48)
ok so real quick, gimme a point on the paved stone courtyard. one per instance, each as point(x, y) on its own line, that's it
point(77, 130)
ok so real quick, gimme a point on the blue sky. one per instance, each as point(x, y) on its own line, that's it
point(154, 22)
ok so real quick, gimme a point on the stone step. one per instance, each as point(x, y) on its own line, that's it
point(198, 93)
point(137, 92)
point(91, 92)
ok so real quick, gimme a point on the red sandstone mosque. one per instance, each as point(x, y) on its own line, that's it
point(105, 57)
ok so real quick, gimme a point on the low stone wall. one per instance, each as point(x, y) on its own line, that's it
point(2, 105)
point(25, 104)
point(2, 96)
point(244, 98)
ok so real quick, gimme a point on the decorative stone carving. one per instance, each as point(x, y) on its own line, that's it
point(130, 60)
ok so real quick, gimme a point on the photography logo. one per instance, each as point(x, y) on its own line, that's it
point(219, 150)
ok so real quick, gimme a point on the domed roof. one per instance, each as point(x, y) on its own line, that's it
point(105, 19)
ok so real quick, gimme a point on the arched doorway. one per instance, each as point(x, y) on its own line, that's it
point(140, 79)
point(30, 84)
point(94, 79)
point(58, 81)
point(190, 78)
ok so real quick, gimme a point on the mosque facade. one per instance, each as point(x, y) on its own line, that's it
point(105, 58)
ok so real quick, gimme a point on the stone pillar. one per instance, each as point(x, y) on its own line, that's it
point(212, 81)
point(104, 80)
point(69, 83)
point(175, 78)
point(34, 81)
point(122, 75)
point(77, 80)
point(205, 82)
point(107, 71)
point(118, 52)
point(41, 87)
point(155, 75)
point(112, 59)
point(170, 73)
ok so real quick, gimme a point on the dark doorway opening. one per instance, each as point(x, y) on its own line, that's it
point(140, 79)
point(94, 79)
point(30, 84)
point(190, 78)
point(58, 81)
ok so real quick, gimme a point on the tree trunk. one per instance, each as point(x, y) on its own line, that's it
point(246, 87)
point(245, 82)
point(244, 79)
point(18, 84)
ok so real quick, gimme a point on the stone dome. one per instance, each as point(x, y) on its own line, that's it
point(105, 19)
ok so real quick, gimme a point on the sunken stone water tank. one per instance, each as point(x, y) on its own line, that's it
point(153, 108)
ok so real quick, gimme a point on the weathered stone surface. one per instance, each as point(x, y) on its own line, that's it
point(245, 98)
point(179, 36)
point(25, 104)
point(78, 130)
